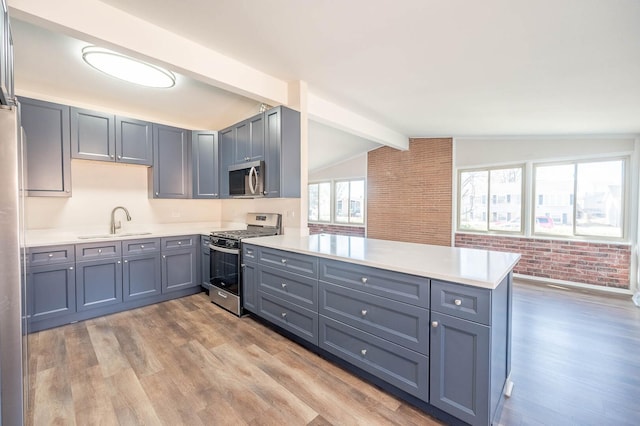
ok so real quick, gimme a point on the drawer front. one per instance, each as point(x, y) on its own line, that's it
point(93, 251)
point(394, 364)
point(471, 303)
point(148, 245)
point(50, 255)
point(299, 321)
point(393, 285)
point(249, 253)
point(174, 243)
point(293, 262)
point(205, 241)
point(294, 288)
point(398, 322)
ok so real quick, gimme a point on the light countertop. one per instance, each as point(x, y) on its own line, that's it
point(48, 237)
point(479, 268)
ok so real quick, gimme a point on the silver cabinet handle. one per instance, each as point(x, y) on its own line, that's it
point(221, 294)
point(364, 280)
point(157, 193)
point(284, 261)
point(179, 243)
point(99, 250)
point(71, 268)
point(142, 246)
point(164, 256)
point(111, 156)
point(126, 261)
point(434, 324)
point(50, 255)
point(457, 302)
point(364, 312)
point(363, 352)
point(284, 285)
point(283, 315)
point(119, 262)
point(119, 157)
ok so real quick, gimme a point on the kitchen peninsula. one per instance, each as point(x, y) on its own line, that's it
point(430, 324)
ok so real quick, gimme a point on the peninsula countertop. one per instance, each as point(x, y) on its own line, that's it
point(479, 268)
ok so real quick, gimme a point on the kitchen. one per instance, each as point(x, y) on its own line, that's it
point(91, 202)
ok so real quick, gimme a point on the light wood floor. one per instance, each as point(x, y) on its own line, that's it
point(576, 360)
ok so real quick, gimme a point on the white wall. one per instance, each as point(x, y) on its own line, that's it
point(354, 167)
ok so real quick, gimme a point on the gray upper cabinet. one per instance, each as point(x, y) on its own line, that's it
point(204, 154)
point(226, 140)
point(134, 141)
point(249, 140)
point(170, 175)
point(92, 135)
point(105, 137)
point(282, 152)
point(47, 144)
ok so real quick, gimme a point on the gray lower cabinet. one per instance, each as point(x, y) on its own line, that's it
point(295, 319)
point(249, 286)
point(170, 176)
point(141, 269)
point(179, 263)
point(51, 291)
point(47, 146)
point(98, 275)
point(205, 262)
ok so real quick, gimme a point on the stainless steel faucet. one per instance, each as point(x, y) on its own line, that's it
point(115, 226)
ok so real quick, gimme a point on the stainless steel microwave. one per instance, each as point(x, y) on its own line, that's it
point(246, 180)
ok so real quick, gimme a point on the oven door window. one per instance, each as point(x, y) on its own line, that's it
point(225, 270)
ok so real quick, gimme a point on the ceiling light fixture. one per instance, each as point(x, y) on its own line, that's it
point(127, 69)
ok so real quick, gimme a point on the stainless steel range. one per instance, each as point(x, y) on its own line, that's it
point(226, 258)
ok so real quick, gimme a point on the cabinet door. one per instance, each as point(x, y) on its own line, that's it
point(171, 175)
point(99, 283)
point(226, 140)
point(205, 268)
point(92, 135)
point(50, 292)
point(141, 276)
point(134, 141)
point(204, 164)
point(241, 143)
point(256, 138)
point(250, 287)
point(282, 152)
point(179, 270)
point(47, 144)
point(459, 368)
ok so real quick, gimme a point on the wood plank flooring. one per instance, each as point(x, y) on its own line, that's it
point(575, 361)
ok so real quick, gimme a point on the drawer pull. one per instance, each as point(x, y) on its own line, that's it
point(126, 261)
point(99, 250)
point(434, 324)
point(284, 285)
point(118, 262)
point(364, 312)
point(284, 261)
point(364, 280)
point(283, 315)
point(50, 255)
point(71, 268)
point(457, 302)
point(142, 246)
point(221, 294)
point(179, 243)
point(363, 352)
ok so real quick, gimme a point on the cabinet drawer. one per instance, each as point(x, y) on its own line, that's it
point(461, 301)
point(294, 288)
point(92, 251)
point(398, 322)
point(249, 253)
point(299, 321)
point(392, 363)
point(293, 262)
point(393, 285)
point(51, 255)
point(135, 247)
point(174, 243)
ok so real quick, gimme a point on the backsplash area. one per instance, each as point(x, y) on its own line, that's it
point(98, 187)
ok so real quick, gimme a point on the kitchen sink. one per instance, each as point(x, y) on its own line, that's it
point(124, 234)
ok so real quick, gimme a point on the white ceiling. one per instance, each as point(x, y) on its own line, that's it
point(420, 67)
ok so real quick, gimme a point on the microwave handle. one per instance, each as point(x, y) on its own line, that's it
point(252, 172)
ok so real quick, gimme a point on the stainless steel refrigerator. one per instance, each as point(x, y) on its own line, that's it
point(12, 329)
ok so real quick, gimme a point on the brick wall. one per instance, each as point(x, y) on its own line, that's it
point(409, 192)
point(319, 228)
point(599, 264)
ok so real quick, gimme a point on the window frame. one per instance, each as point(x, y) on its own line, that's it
point(330, 201)
point(489, 198)
point(332, 196)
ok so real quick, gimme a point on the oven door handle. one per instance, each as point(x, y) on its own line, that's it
point(224, 250)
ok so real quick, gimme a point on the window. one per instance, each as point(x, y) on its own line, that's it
point(348, 202)
point(581, 198)
point(320, 202)
point(503, 186)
